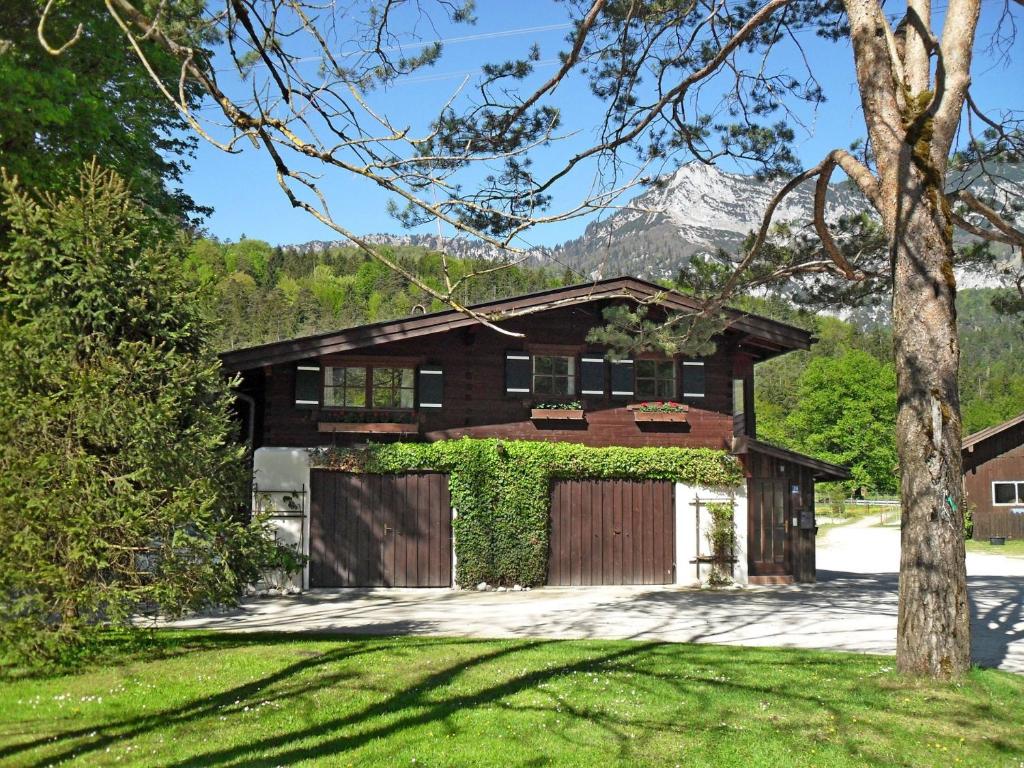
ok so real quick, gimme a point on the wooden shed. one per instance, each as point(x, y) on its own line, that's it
point(994, 479)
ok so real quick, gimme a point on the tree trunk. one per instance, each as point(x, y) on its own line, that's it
point(933, 636)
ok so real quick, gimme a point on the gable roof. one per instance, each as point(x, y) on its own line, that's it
point(770, 337)
point(972, 441)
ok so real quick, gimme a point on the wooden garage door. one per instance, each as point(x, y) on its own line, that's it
point(379, 530)
point(611, 532)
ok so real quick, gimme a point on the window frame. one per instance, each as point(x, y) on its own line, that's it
point(572, 375)
point(368, 386)
point(656, 361)
point(1018, 496)
point(393, 388)
point(344, 387)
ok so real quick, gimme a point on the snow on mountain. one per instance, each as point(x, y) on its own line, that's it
point(698, 209)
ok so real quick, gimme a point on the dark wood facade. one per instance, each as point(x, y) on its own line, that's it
point(780, 520)
point(475, 401)
point(992, 456)
point(611, 532)
point(781, 526)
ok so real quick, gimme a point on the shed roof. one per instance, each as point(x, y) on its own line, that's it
point(972, 441)
point(768, 337)
point(823, 470)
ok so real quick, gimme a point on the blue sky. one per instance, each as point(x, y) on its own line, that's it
point(246, 199)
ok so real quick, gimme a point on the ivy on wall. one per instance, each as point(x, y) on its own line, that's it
point(721, 537)
point(501, 490)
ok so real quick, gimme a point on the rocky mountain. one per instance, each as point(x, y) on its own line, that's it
point(697, 209)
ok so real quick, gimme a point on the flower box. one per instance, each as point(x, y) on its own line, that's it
point(380, 427)
point(670, 416)
point(557, 414)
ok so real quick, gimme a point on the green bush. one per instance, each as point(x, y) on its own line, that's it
point(500, 490)
point(121, 484)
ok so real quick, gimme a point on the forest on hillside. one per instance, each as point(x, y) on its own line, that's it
point(836, 401)
point(255, 293)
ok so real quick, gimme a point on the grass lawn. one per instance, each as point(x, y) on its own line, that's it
point(1012, 547)
point(231, 700)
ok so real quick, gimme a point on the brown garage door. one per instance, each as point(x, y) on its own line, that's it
point(379, 530)
point(611, 532)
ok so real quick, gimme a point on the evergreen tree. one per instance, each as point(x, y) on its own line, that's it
point(121, 484)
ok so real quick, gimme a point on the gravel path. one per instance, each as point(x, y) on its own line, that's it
point(852, 607)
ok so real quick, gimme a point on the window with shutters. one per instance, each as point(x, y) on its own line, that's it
point(656, 379)
point(554, 375)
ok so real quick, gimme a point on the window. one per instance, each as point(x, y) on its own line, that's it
point(369, 387)
point(554, 375)
point(393, 387)
point(345, 387)
point(739, 397)
point(656, 379)
point(1009, 492)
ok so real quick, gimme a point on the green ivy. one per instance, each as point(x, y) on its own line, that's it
point(722, 538)
point(500, 490)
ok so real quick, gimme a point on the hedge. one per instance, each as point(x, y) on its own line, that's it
point(501, 490)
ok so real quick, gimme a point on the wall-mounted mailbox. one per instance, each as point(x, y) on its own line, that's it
point(807, 519)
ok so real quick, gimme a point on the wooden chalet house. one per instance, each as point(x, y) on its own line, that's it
point(443, 375)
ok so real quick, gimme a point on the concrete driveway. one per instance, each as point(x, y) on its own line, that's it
point(852, 608)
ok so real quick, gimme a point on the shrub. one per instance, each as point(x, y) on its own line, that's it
point(121, 486)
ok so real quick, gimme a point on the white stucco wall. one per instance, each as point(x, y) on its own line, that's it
point(691, 538)
point(282, 470)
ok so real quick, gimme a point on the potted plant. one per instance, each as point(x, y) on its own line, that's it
point(558, 411)
point(661, 410)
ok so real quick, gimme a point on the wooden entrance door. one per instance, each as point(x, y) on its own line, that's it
point(769, 524)
point(611, 532)
point(379, 530)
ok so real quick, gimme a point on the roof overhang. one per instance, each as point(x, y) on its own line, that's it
point(823, 471)
point(972, 441)
point(762, 337)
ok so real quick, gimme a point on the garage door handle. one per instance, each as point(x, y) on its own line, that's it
point(617, 533)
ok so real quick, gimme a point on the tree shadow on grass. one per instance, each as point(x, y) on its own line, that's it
point(699, 676)
point(226, 702)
